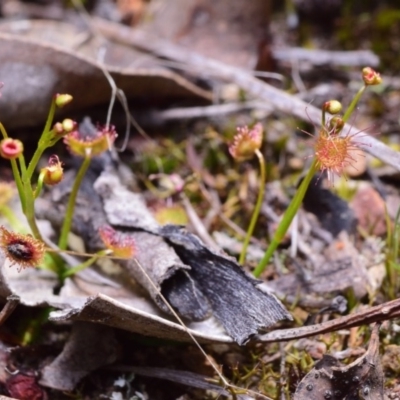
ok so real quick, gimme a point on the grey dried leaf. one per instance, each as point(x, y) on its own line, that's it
point(343, 268)
point(241, 307)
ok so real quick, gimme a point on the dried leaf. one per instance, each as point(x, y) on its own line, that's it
point(43, 59)
point(331, 380)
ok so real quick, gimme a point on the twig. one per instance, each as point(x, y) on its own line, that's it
point(383, 312)
point(209, 111)
point(9, 307)
point(357, 58)
point(197, 223)
point(281, 100)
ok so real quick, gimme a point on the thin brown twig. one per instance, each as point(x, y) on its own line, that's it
point(383, 312)
point(9, 307)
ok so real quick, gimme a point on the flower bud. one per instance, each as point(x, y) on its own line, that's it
point(11, 149)
point(371, 77)
point(69, 125)
point(332, 106)
point(58, 129)
point(63, 99)
point(53, 173)
point(335, 124)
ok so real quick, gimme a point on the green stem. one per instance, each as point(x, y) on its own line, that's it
point(323, 119)
point(3, 131)
point(39, 185)
point(87, 263)
point(43, 144)
point(257, 208)
point(353, 104)
point(80, 267)
point(287, 219)
point(30, 215)
point(62, 244)
point(18, 182)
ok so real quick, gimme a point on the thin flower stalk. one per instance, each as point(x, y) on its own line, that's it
point(247, 143)
point(45, 141)
point(257, 207)
point(287, 219)
point(72, 271)
point(353, 103)
point(63, 241)
point(85, 145)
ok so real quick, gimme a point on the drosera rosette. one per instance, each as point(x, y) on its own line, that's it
point(91, 145)
point(117, 246)
point(333, 151)
point(247, 144)
point(118, 243)
point(85, 141)
point(22, 250)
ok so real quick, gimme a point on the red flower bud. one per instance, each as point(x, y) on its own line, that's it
point(11, 148)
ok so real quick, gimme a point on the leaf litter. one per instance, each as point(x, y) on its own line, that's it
point(84, 297)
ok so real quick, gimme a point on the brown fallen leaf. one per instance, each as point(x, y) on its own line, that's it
point(225, 31)
point(47, 51)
